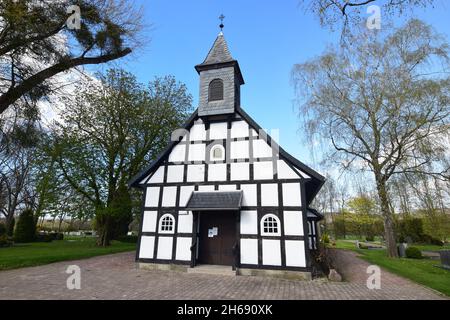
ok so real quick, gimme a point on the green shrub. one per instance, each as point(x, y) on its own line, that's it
point(370, 238)
point(325, 238)
point(128, 239)
point(436, 242)
point(431, 240)
point(410, 227)
point(4, 241)
point(56, 235)
point(25, 230)
point(413, 253)
point(43, 237)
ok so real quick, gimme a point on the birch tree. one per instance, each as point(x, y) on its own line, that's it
point(382, 104)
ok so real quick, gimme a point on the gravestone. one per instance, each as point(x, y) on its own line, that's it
point(445, 258)
point(402, 249)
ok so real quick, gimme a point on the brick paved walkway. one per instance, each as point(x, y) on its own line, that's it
point(116, 277)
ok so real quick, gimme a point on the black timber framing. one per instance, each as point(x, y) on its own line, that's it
point(277, 210)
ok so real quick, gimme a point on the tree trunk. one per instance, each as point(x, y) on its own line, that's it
point(10, 221)
point(104, 237)
point(104, 229)
point(391, 245)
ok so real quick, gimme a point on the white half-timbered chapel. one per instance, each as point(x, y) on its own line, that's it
point(223, 192)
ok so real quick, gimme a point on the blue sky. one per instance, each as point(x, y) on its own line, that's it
point(266, 37)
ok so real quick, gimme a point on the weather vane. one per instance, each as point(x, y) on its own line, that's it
point(221, 21)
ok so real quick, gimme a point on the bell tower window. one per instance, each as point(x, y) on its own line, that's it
point(215, 90)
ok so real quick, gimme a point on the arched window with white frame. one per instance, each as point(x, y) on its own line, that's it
point(167, 223)
point(270, 225)
point(217, 153)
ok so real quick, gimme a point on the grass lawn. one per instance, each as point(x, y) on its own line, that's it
point(38, 253)
point(422, 271)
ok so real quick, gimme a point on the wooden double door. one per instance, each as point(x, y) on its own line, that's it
point(217, 236)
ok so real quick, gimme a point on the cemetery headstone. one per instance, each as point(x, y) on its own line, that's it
point(445, 258)
point(402, 249)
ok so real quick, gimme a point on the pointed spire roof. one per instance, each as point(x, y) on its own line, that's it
point(219, 56)
point(219, 52)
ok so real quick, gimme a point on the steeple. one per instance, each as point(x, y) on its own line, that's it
point(219, 52)
point(220, 80)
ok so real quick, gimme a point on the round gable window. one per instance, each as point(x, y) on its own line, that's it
point(217, 153)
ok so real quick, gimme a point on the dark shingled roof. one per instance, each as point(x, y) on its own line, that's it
point(219, 52)
point(314, 214)
point(216, 200)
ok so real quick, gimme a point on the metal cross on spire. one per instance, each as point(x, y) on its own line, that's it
point(221, 21)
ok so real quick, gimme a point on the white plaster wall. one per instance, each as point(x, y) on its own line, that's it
point(295, 253)
point(198, 132)
point(169, 196)
point(206, 188)
point(227, 187)
point(183, 250)
point(217, 172)
point(249, 251)
point(165, 248)
point(147, 247)
point(249, 222)
point(158, 176)
point(185, 194)
point(261, 149)
point(149, 223)
point(218, 130)
point(185, 222)
point(293, 223)
point(240, 171)
point(197, 152)
point(291, 194)
point(285, 172)
point(152, 197)
point(175, 173)
point(239, 129)
point(263, 170)
point(239, 150)
point(271, 254)
point(178, 153)
point(196, 172)
point(249, 195)
point(269, 194)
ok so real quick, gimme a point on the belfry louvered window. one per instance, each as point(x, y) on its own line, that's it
point(215, 90)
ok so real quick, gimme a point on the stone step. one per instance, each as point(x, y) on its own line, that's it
point(213, 269)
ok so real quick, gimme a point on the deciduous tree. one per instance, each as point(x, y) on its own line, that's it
point(381, 105)
point(109, 132)
point(42, 38)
